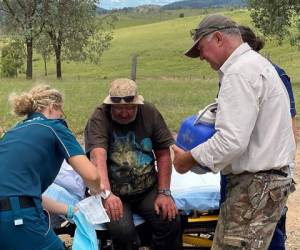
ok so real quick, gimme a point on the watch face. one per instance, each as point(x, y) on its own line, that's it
point(166, 192)
point(105, 194)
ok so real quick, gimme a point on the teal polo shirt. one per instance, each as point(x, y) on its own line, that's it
point(31, 155)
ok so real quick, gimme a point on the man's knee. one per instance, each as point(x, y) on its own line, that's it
point(164, 226)
point(121, 231)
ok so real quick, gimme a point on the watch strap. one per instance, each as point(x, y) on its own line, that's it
point(164, 191)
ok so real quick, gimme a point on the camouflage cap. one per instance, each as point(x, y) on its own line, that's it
point(123, 91)
point(208, 25)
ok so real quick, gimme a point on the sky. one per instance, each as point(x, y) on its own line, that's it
point(118, 4)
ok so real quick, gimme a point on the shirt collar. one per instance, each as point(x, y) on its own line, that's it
point(36, 116)
point(243, 48)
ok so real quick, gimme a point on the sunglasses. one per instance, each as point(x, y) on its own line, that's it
point(118, 99)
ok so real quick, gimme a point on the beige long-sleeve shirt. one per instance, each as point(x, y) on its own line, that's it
point(253, 123)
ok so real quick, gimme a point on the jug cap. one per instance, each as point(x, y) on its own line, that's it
point(207, 115)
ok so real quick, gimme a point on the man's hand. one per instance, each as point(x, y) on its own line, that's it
point(183, 160)
point(114, 207)
point(165, 206)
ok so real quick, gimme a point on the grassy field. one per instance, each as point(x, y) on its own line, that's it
point(179, 86)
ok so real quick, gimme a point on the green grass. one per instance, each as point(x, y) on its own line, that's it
point(179, 86)
point(175, 98)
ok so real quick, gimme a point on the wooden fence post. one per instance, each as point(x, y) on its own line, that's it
point(133, 67)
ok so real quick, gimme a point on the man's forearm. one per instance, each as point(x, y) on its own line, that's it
point(164, 168)
point(98, 158)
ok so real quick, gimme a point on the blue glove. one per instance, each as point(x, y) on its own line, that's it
point(85, 237)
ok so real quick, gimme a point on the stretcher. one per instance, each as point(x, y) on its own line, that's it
point(197, 198)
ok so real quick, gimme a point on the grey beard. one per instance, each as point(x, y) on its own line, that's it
point(123, 122)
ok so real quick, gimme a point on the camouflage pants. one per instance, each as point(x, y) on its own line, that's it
point(251, 211)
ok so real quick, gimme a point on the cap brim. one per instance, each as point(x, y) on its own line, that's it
point(193, 52)
point(137, 100)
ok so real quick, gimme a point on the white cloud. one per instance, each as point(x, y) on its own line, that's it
point(116, 4)
point(117, 1)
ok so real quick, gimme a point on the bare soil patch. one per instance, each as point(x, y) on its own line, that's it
point(293, 214)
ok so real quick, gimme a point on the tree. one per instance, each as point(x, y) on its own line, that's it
point(96, 45)
point(12, 57)
point(276, 18)
point(71, 25)
point(43, 46)
point(25, 17)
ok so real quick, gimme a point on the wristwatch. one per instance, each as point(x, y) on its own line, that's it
point(164, 191)
point(105, 194)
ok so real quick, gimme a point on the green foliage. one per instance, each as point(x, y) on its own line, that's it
point(276, 18)
point(12, 58)
point(96, 45)
point(74, 33)
point(23, 17)
point(26, 19)
point(43, 46)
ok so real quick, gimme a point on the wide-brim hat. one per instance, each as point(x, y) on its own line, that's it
point(208, 25)
point(123, 89)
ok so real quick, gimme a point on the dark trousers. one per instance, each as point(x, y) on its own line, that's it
point(27, 229)
point(166, 235)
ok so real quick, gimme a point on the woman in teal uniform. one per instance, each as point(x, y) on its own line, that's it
point(31, 154)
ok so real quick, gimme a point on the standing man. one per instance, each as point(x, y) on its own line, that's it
point(126, 138)
point(253, 145)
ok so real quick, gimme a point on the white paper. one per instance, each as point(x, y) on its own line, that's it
point(93, 210)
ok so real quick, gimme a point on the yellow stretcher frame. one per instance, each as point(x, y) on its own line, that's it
point(199, 231)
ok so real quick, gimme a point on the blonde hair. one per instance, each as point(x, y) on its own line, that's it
point(35, 100)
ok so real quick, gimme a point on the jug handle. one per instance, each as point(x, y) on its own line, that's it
point(208, 107)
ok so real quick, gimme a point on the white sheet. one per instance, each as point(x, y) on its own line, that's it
point(190, 191)
point(196, 192)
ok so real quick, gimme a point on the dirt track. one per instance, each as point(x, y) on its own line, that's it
point(293, 215)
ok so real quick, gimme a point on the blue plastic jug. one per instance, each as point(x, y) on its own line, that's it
point(195, 130)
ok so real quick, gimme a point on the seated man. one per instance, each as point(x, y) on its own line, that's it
point(123, 138)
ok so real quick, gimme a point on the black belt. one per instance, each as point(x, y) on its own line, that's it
point(275, 171)
point(25, 202)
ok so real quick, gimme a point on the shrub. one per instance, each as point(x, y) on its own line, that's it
point(12, 58)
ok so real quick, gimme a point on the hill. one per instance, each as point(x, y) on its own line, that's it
point(194, 4)
point(198, 4)
point(144, 15)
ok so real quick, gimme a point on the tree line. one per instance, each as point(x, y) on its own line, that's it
point(67, 29)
